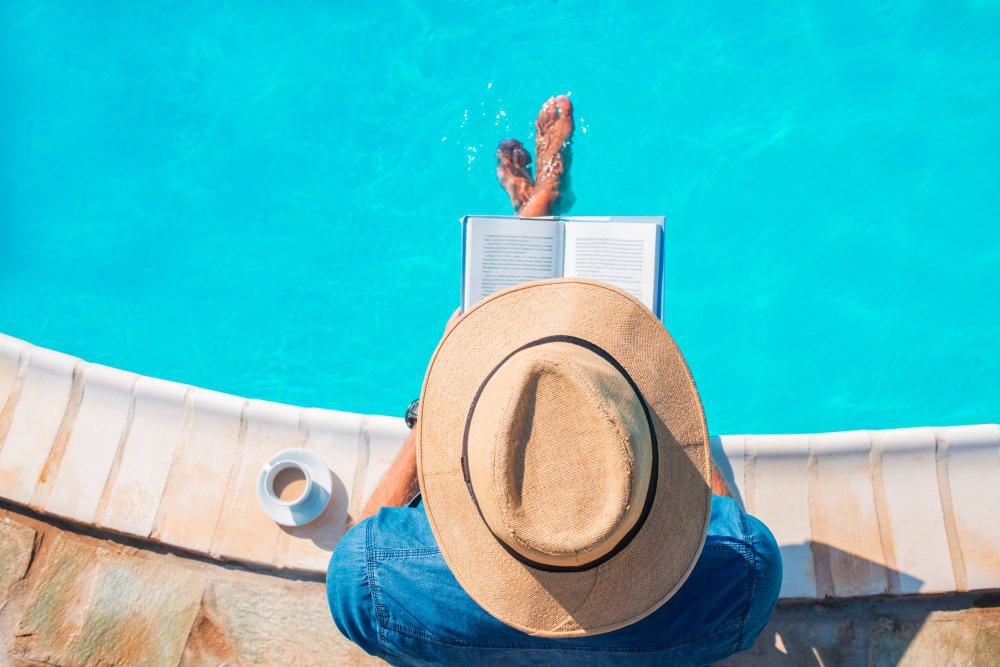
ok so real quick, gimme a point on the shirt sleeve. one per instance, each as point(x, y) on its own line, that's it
point(348, 590)
point(767, 574)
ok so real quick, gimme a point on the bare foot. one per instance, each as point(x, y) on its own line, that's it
point(513, 172)
point(553, 129)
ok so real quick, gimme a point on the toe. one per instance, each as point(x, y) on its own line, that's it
point(565, 106)
point(547, 115)
point(521, 157)
point(506, 148)
point(562, 129)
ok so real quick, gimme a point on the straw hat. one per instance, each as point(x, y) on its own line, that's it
point(563, 458)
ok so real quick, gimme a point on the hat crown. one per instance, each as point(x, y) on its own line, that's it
point(560, 454)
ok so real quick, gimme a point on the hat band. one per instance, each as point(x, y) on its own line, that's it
point(650, 491)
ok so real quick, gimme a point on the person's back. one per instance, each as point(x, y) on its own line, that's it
point(391, 592)
point(567, 511)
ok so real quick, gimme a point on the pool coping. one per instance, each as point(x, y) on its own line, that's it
point(856, 513)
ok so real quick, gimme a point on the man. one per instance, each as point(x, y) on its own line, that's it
point(567, 513)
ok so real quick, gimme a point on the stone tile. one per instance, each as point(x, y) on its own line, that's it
point(777, 493)
point(914, 508)
point(17, 543)
point(35, 422)
point(309, 547)
point(844, 516)
point(134, 493)
point(199, 475)
point(974, 479)
point(386, 436)
point(11, 350)
point(282, 623)
point(966, 637)
point(77, 485)
point(891, 630)
point(245, 532)
point(334, 436)
point(207, 645)
point(91, 605)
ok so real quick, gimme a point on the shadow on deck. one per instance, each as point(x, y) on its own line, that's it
point(951, 628)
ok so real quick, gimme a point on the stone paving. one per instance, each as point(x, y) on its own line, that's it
point(68, 598)
point(73, 599)
point(915, 630)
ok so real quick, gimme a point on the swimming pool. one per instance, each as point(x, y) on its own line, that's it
point(264, 200)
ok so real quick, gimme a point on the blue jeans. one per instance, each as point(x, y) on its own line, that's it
point(391, 592)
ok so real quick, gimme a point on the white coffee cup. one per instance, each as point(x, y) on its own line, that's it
point(287, 469)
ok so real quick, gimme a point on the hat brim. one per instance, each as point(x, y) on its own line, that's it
point(654, 564)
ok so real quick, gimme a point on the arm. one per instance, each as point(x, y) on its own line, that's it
point(400, 483)
point(719, 485)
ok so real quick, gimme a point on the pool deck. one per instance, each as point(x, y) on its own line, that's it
point(115, 486)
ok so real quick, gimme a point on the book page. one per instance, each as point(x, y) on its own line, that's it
point(624, 254)
point(502, 253)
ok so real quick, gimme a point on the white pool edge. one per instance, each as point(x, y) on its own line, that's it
point(895, 511)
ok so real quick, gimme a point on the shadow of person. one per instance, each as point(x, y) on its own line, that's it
point(874, 629)
point(838, 607)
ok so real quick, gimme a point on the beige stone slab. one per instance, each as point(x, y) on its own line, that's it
point(35, 422)
point(844, 516)
point(966, 638)
point(153, 436)
point(87, 601)
point(245, 532)
point(283, 623)
point(90, 605)
point(13, 360)
point(17, 544)
point(199, 474)
point(888, 631)
point(974, 476)
point(101, 422)
point(778, 468)
point(335, 437)
point(11, 350)
point(386, 436)
point(914, 506)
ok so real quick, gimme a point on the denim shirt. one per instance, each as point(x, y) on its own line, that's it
point(391, 592)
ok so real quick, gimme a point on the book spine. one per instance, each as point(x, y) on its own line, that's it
point(659, 269)
point(465, 225)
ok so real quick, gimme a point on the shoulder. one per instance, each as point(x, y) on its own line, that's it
point(351, 580)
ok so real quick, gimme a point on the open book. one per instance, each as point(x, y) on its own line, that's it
point(500, 250)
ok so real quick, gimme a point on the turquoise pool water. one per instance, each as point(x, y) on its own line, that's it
point(264, 200)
